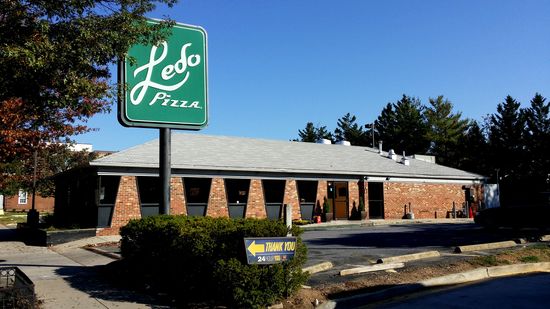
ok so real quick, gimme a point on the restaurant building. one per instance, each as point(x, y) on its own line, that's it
point(237, 177)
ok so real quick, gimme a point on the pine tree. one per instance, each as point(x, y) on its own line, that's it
point(402, 126)
point(312, 134)
point(472, 150)
point(537, 141)
point(444, 130)
point(348, 130)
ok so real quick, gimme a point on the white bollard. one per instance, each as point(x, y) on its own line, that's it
point(288, 218)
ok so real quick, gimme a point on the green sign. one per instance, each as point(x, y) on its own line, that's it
point(269, 250)
point(166, 86)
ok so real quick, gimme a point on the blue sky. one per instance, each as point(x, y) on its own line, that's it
point(275, 65)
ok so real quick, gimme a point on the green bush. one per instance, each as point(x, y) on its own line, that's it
point(203, 258)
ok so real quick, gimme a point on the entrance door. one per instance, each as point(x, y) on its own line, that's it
point(340, 200)
point(376, 200)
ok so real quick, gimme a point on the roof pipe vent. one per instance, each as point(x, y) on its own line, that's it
point(379, 147)
point(343, 143)
point(392, 155)
point(324, 141)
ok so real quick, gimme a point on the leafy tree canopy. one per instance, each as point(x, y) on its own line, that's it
point(54, 67)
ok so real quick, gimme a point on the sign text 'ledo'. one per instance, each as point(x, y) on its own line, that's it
point(166, 84)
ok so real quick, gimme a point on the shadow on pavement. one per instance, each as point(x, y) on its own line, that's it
point(426, 235)
point(8, 234)
point(92, 281)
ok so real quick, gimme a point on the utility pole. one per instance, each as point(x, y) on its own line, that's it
point(373, 135)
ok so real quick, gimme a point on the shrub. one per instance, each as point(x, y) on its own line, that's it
point(203, 258)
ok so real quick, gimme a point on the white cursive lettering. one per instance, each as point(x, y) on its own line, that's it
point(167, 73)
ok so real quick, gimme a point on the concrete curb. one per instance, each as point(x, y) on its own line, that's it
point(409, 257)
point(545, 238)
point(487, 246)
point(318, 267)
point(370, 268)
point(342, 224)
point(464, 277)
point(104, 253)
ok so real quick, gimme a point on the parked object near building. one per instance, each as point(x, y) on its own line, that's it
point(242, 177)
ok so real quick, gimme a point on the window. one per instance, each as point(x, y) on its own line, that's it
point(22, 197)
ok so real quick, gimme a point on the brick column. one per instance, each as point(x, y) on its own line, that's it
point(127, 206)
point(321, 195)
point(177, 198)
point(353, 196)
point(291, 197)
point(255, 206)
point(366, 195)
point(217, 200)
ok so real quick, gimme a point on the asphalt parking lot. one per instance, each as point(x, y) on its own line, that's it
point(362, 245)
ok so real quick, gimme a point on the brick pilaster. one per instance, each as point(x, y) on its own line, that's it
point(291, 197)
point(255, 207)
point(127, 206)
point(177, 198)
point(217, 200)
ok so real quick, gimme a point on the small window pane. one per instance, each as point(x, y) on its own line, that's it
point(22, 197)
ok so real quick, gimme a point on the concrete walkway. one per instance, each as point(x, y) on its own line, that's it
point(66, 276)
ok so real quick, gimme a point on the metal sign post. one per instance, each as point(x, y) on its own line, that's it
point(165, 86)
point(164, 169)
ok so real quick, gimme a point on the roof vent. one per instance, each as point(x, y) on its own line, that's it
point(343, 143)
point(392, 155)
point(404, 160)
point(324, 141)
point(379, 147)
point(425, 158)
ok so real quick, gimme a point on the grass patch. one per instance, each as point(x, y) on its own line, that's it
point(12, 218)
point(530, 259)
point(539, 246)
point(489, 260)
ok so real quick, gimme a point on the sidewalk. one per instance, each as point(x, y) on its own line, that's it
point(66, 276)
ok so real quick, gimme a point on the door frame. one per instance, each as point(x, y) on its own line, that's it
point(332, 198)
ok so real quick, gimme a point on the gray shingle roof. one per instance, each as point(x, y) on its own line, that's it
point(222, 153)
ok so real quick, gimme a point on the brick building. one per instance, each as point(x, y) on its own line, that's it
point(241, 177)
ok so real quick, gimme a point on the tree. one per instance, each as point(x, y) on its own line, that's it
point(506, 137)
point(54, 68)
point(472, 149)
point(444, 130)
point(402, 126)
point(348, 130)
point(385, 125)
point(312, 134)
point(537, 141)
point(507, 153)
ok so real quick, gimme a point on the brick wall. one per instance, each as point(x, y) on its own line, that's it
point(217, 201)
point(177, 198)
point(42, 204)
point(291, 197)
point(255, 206)
point(127, 206)
point(427, 200)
